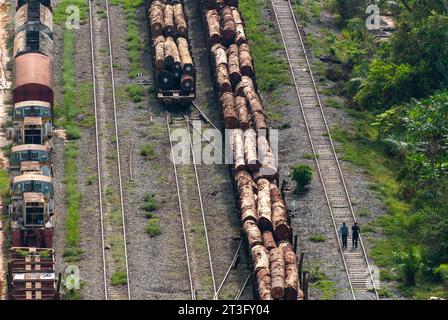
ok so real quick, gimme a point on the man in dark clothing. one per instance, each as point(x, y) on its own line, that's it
point(344, 233)
point(355, 234)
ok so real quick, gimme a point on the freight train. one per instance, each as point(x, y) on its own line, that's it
point(31, 268)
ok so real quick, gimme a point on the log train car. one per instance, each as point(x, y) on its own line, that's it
point(31, 273)
point(263, 212)
point(173, 64)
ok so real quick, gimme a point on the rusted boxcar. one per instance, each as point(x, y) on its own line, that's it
point(32, 74)
point(31, 274)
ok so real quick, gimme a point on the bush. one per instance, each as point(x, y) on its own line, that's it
point(302, 174)
point(153, 228)
point(118, 278)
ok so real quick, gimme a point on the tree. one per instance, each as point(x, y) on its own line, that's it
point(302, 174)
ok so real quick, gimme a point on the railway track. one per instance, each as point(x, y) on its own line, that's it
point(193, 217)
point(110, 189)
point(360, 276)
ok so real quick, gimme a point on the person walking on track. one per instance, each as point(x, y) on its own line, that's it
point(344, 233)
point(355, 234)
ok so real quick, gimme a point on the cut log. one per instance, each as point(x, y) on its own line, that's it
point(250, 149)
point(243, 112)
point(159, 52)
point(245, 82)
point(222, 79)
point(259, 120)
point(268, 167)
point(165, 80)
point(219, 53)
point(264, 205)
point(234, 64)
point(246, 66)
point(268, 240)
point(169, 20)
point(277, 267)
point(185, 57)
point(253, 233)
point(237, 143)
point(171, 52)
point(156, 18)
point(179, 20)
point(264, 284)
point(229, 111)
point(228, 26)
point(282, 230)
point(260, 258)
point(292, 291)
point(187, 83)
point(214, 30)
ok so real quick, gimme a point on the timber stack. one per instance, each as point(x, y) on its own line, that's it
point(263, 210)
point(174, 70)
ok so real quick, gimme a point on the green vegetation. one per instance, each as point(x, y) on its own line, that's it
point(135, 92)
point(272, 71)
point(302, 174)
point(4, 187)
point(317, 238)
point(147, 151)
point(320, 281)
point(134, 44)
point(118, 278)
point(73, 198)
point(150, 203)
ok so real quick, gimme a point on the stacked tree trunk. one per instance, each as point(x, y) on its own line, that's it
point(172, 56)
point(263, 210)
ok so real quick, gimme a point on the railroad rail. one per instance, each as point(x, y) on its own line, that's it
point(356, 263)
point(104, 97)
point(188, 203)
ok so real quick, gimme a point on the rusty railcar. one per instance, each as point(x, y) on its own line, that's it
point(32, 40)
point(31, 274)
point(173, 84)
point(33, 78)
point(32, 122)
